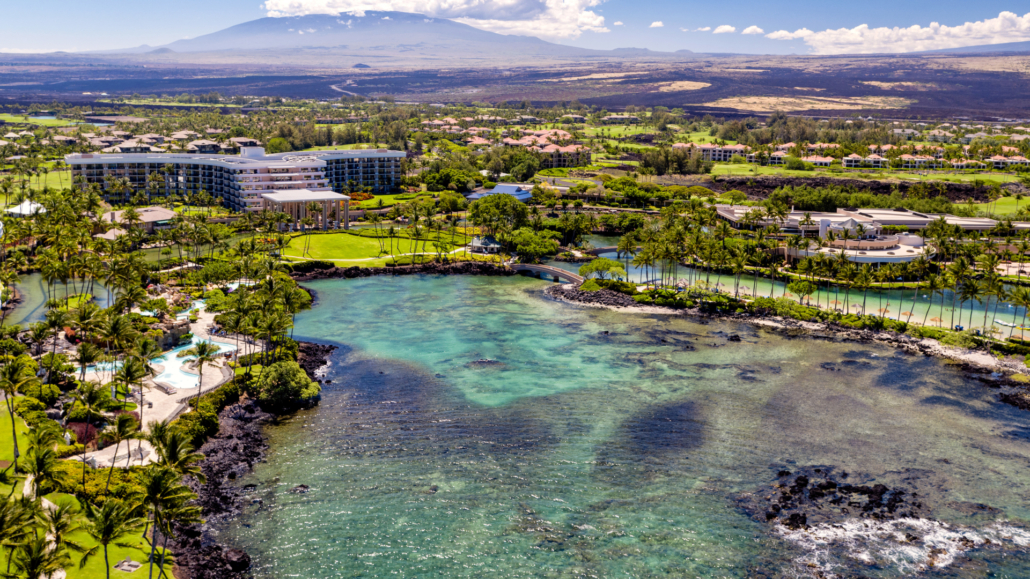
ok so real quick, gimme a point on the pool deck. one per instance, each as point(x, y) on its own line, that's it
point(168, 406)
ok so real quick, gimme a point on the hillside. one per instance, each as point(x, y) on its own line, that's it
point(382, 35)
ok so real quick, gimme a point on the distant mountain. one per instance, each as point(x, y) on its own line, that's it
point(371, 30)
point(388, 37)
point(983, 48)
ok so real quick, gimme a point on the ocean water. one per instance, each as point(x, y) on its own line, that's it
point(474, 428)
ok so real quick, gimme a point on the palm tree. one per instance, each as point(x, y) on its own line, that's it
point(1020, 296)
point(934, 285)
point(61, 522)
point(108, 525)
point(86, 355)
point(37, 558)
point(205, 353)
point(15, 376)
point(42, 464)
point(90, 396)
point(15, 526)
point(161, 495)
point(124, 429)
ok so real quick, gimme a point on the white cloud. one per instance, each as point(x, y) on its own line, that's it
point(1007, 27)
point(546, 18)
point(658, 24)
point(704, 29)
point(619, 23)
point(753, 30)
point(387, 18)
point(724, 29)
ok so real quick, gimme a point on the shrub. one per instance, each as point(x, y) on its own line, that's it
point(643, 299)
point(202, 423)
point(28, 404)
point(623, 287)
point(590, 285)
point(84, 433)
point(45, 393)
point(285, 385)
point(66, 450)
point(309, 266)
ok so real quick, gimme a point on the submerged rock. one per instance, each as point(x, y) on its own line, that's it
point(460, 268)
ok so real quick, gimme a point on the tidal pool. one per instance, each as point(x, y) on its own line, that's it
point(474, 428)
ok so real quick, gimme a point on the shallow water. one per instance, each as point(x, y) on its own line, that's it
point(573, 452)
point(908, 305)
point(33, 290)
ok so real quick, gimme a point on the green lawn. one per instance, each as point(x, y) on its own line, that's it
point(391, 200)
point(347, 147)
point(698, 137)
point(213, 211)
point(617, 131)
point(166, 102)
point(1004, 206)
point(7, 447)
point(346, 246)
point(35, 121)
point(138, 550)
point(749, 169)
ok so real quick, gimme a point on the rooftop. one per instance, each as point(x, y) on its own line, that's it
point(304, 196)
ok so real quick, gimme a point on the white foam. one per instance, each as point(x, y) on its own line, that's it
point(885, 543)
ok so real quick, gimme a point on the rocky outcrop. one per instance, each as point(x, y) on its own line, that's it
point(459, 268)
point(815, 495)
point(313, 358)
point(230, 455)
point(602, 297)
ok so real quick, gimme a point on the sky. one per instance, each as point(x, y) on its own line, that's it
point(744, 26)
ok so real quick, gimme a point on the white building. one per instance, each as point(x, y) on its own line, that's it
point(241, 180)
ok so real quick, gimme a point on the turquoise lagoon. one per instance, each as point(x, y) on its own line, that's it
point(475, 428)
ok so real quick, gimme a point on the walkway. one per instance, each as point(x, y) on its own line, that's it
point(547, 270)
point(159, 405)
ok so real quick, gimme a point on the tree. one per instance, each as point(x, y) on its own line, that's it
point(602, 267)
point(124, 429)
point(285, 385)
point(499, 213)
point(162, 494)
point(205, 353)
point(90, 397)
point(802, 289)
point(15, 376)
point(532, 245)
point(37, 558)
point(108, 525)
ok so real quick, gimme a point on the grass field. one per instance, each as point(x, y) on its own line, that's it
point(214, 210)
point(165, 102)
point(617, 131)
point(347, 147)
point(1004, 206)
point(35, 121)
point(346, 246)
point(138, 550)
point(391, 200)
point(7, 447)
point(750, 169)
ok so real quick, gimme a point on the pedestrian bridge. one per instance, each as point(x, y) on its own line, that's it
point(544, 271)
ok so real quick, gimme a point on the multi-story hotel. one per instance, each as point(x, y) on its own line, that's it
point(240, 180)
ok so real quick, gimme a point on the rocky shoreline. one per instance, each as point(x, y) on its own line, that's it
point(458, 268)
point(976, 364)
point(231, 454)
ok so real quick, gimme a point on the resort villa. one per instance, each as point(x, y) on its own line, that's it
point(240, 181)
point(521, 192)
point(864, 228)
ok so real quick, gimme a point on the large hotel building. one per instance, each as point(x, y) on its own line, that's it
point(241, 180)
